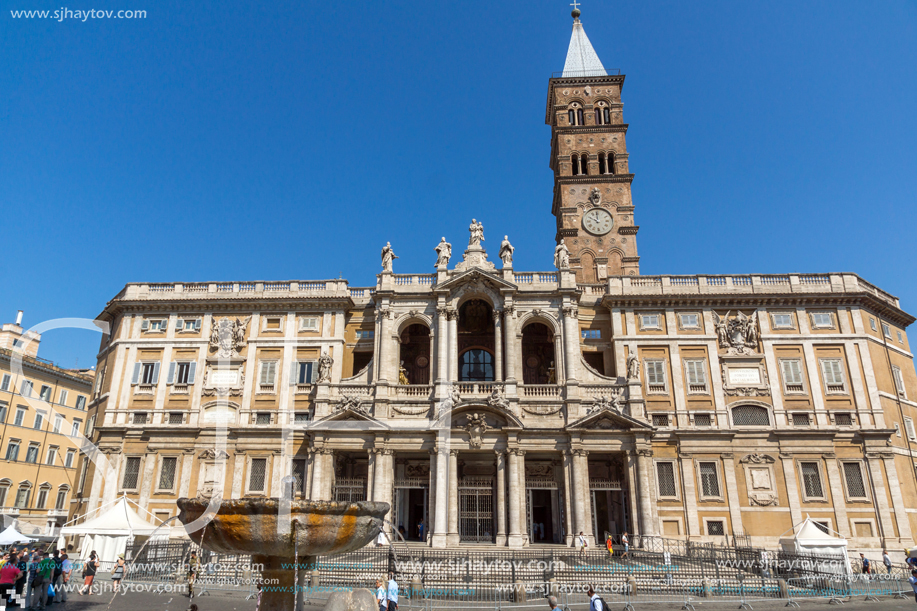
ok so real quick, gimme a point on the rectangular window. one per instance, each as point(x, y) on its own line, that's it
point(31, 454)
point(800, 420)
point(22, 497)
point(139, 418)
point(81, 402)
point(3, 491)
point(20, 416)
point(843, 419)
point(268, 373)
point(42, 498)
point(886, 331)
point(300, 417)
point(900, 338)
point(63, 397)
point(45, 394)
point(12, 450)
point(25, 389)
point(696, 373)
point(782, 320)
point(68, 462)
point(299, 476)
point(51, 458)
point(811, 479)
point(39, 420)
point(689, 321)
point(822, 320)
point(273, 323)
point(263, 418)
point(909, 428)
point(833, 372)
point(665, 477)
point(853, 474)
point(308, 323)
point(703, 420)
point(361, 334)
point(655, 376)
point(5, 383)
point(715, 528)
point(710, 483)
point(188, 325)
point(304, 372)
point(176, 418)
point(3, 408)
point(75, 427)
point(167, 473)
point(61, 499)
point(256, 476)
point(131, 478)
point(649, 321)
point(148, 373)
point(872, 324)
point(899, 381)
point(58, 423)
point(153, 325)
point(660, 420)
point(591, 333)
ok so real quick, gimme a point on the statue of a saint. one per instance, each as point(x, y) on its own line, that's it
point(443, 253)
point(388, 256)
point(403, 375)
point(476, 230)
point(633, 366)
point(324, 367)
point(561, 256)
point(506, 252)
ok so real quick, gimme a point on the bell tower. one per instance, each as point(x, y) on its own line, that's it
point(592, 197)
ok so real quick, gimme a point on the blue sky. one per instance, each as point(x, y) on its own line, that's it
point(291, 140)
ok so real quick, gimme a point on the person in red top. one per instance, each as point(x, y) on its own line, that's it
point(8, 576)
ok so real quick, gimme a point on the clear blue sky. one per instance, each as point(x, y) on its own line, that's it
point(291, 140)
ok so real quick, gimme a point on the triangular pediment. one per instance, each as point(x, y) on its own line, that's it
point(472, 276)
point(347, 417)
point(607, 420)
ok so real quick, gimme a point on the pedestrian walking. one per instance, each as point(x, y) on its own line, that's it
point(381, 596)
point(117, 574)
point(392, 595)
point(626, 542)
point(887, 561)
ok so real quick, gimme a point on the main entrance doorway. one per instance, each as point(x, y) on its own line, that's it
point(411, 502)
point(609, 509)
point(476, 510)
point(544, 511)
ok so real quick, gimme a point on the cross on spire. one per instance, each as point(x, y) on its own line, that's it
point(576, 12)
point(575, 4)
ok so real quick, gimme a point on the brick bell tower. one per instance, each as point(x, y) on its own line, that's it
point(592, 197)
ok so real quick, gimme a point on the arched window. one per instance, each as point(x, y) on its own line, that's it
point(750, 415)
point(584, 163)
point(606, 113)
point(602, 113)
point(602, 166)
point(476, 365)
point(571, 116)
point(575, 114)
point(574, 164)
point(610, 163)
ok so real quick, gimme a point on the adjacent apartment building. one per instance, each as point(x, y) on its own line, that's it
point(43, 408)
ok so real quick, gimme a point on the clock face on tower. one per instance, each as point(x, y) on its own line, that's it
point(598, 221)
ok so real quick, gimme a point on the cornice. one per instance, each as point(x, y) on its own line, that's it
point(613, 128)
point(196, 304)
point(616, 79)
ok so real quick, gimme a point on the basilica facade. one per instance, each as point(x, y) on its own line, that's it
point(499, 407)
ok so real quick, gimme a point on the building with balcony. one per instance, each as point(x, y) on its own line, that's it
point(491, 406)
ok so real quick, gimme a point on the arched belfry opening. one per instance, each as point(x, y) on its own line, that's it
point(476, 342)
point(414, 357)
point(538, 362)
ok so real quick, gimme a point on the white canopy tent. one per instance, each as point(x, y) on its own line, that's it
point(109, 532)
point(11, 536)
point(810, 538)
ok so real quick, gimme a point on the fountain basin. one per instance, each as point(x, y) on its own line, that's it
point(249, 526)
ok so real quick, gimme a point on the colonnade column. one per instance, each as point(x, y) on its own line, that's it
point(442, 346)
point(587, 497)
point(453, 345)
point(316, 487)
point(385, 480)
point(498, 346)
point(571, 340)
point(509, 316)
point(647, 524)
point(501, 497)
point(453, 538)
point(515, 530)
point(579, 495)
point(440, 525)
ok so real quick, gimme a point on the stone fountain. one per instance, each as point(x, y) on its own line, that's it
point(316, 528)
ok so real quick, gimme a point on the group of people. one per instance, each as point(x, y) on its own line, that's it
point(34, 578)
point(582, 542)
point(387, 595)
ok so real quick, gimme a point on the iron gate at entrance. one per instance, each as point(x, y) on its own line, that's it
point(350, 490)
point(476, 510)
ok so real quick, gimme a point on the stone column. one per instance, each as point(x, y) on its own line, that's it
point(385, 342)
point(431, 500)
point(329, 474)
point(571, 341)
point(378, 474)
point(644, 465)
point(559, 361)
point(732, 493)
point(515, 528)
point(453, 345)
point(587, 497)
point(387, 468)
point(498, 346)
point(453, 538)
point(501, 498)
point(580, 496)
point(318, 478)
point(568, 497)
point(509, 317)
point(441, 527)
point(442, 346)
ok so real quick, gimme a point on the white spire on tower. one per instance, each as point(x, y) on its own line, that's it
point(582, 59)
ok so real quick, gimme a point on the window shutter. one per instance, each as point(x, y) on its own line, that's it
point(191, 369)
point(179, 324)
point(294, 373)
point(909, 428)
point(310, 372)
point(156, 372)
point(197, 324)
point(144, 325)
point(171, 379)
point(136, 377)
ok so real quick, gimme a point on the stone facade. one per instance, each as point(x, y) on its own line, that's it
point(509, 408)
